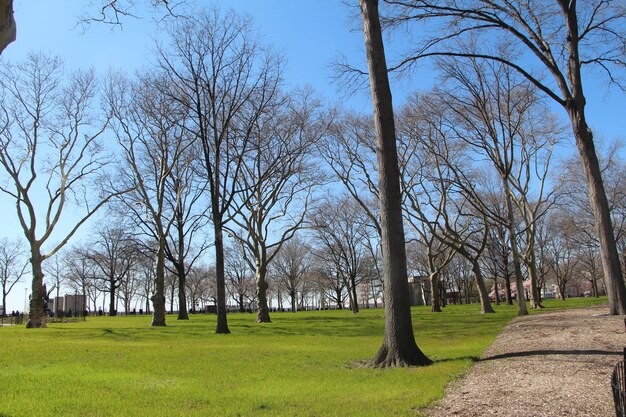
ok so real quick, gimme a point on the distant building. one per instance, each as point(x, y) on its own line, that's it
point(67, 304)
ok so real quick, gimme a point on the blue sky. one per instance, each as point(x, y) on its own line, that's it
point(310, 34)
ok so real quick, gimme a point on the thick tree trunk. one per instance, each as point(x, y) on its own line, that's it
point(616, 289)
point(112, 288)
point(483, 295)
point(7, 24)
point(399, 347)
point(575, 106)
point(158, 298)
point(222, 322)
point(181, 268)
point(181, 271)
point(353, 300)
point(37, 313)
point(294, 301)
point(263, 315)
point(434, 290)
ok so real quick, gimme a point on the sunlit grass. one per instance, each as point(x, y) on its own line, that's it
point(302, 364)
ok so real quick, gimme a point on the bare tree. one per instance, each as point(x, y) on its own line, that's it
point(563, 252)
point(240, 281)
point(424, 194)
point(560, 38)
point(399, 347)
point(448, 197)
point(349, 149)
point(80, 275)
point(227, 80)
point(291, 266)
point(497, 112)
point(149, 126)
point(277, 182)
point(340, 228)
point(54, 269)
point(113, 12)
point(113, 253)
point(12, 266)
point(186, 243)
point(50, 150)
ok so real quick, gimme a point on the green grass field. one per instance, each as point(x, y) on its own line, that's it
point(303, 364)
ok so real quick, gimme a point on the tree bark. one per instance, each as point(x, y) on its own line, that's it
point(483, 295)
point(575, 106)
point(399, 347)
point(353, 299)
point(519, 280)
point(182, 297)
point(222, 322)
point(616, 289)
point(112, 288)
point(181, 269)
point(434, 291)
point(263, 314)
point(37, 313)
point(535, 294)
point(7, 24)
point(158, 298)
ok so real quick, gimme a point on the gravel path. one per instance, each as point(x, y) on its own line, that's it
point(550, 364)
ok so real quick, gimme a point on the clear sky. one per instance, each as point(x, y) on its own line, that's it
point(311, 34)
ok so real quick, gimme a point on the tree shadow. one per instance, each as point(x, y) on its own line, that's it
point(472, 358)
point(545, 352)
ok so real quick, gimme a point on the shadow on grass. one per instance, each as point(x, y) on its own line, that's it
point(546, 352)
point(472, 358)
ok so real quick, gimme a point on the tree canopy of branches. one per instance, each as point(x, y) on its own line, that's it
point(12, 267)
point(50, 151)
point(149, 125)
point(277, 182)
point(227, 80)
point(561, 38)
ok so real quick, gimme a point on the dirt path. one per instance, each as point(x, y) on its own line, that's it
point(550, 364)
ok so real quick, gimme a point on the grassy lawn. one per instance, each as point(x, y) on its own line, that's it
point(303, 364)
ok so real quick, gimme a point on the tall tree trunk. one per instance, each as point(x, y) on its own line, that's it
point(158, 298)
point(353, 300)
point(222, 323)
point(263, 315)
point(181, 271)
point(181, 268)
point(575, 107)
point(616, 289)
point(483, 295)
point(517, 265)
point(535, 294)
point(37, 313)
point(112, 309)
point(399, 347)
